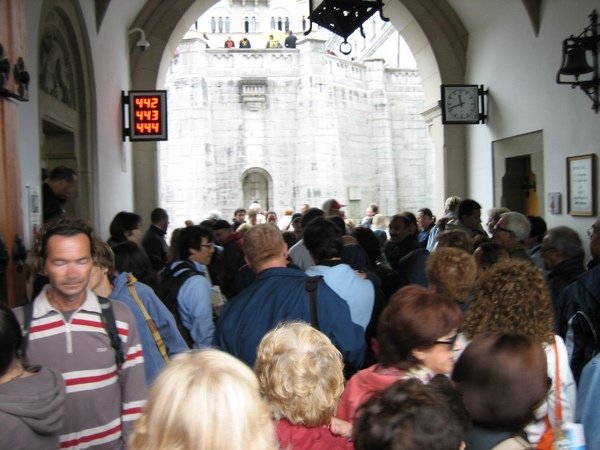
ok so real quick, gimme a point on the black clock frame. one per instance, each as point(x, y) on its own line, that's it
point(481, 105)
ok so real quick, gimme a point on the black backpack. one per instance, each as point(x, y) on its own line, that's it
point(172, 278)
point(108, 319)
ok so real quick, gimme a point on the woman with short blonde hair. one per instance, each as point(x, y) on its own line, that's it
point(301, 376)
point(205, 400)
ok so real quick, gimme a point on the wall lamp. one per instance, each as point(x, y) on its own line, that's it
point(142, 43)
point(575, 63)
point(343, 17)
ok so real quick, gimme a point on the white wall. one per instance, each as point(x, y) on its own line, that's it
point(114, 189)
point(520, 70)
point(112, 162)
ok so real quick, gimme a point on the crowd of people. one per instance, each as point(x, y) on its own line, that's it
point(305, 331)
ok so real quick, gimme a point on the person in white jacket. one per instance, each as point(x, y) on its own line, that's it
point(512, 297)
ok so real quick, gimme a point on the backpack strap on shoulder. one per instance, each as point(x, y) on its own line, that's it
point(27, 318)
point(311, 287)
point(108, 318)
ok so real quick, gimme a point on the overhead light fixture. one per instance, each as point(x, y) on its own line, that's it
point(575, 51)
point(344, 17)
point(142, 43)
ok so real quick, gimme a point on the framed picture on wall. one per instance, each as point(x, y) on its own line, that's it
point(581, 185)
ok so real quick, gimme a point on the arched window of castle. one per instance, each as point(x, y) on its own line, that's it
point(213, 24)
point(279, 24)
point(220, 24)
point(253, 24)
point(287, 24)
point(227, 24)
point(246, 24)
point(272, 23)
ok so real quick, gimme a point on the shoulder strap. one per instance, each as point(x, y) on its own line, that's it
point(108, 318)
point(311, 287)
point(557, 404)
point(131, 280)
point(173, 279)
point(27, 318)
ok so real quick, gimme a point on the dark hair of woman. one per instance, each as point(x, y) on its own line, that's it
point(367, 240)
point(131, 258)
point(410, 415)
point(414, 318)
point(323, 239)
point(122, 224)
point(11, 340)
point(503, 379)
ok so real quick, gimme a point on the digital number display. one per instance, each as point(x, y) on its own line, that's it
point(148, 115)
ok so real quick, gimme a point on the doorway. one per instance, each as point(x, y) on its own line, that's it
point(256, 185)
point(57, 148)
point(519, 173)
point(65, 100)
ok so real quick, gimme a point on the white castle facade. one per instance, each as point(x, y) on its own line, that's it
point(288, 126)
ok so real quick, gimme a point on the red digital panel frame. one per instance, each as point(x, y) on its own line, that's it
point(148, 115)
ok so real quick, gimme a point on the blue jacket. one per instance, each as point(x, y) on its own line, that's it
point(578, 319)
point(588, 403)
point(195, 306)
point(165, 323)
point(277, 295)
point(359, 293)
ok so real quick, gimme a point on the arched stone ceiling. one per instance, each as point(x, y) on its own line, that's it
point(432, 29)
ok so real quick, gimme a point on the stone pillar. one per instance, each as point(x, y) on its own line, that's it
point(384, 177)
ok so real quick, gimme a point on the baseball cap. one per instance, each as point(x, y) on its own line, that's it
point(331, 204)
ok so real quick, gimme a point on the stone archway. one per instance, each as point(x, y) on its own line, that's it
point(66, 99)
point(431, 28)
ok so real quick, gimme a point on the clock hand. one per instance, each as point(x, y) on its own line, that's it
point(454, 106)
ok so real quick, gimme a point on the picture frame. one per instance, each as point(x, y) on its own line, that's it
point(581, 185)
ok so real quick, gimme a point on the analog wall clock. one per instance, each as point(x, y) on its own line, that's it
point(462, 104)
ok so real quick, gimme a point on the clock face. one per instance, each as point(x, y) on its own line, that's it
point(460, 104)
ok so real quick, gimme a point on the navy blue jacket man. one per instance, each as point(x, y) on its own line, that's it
point(280, 294)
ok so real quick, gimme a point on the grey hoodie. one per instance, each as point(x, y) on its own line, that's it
point(32, 411)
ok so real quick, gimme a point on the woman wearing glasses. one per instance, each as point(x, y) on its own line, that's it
point(417, 339)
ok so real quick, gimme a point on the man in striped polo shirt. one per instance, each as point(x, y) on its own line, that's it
point(68, 332)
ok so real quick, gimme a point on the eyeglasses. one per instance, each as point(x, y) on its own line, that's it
point(497, 228)
point(591, 231)
point(450, 342)
point(547, 249)
point(211, 245)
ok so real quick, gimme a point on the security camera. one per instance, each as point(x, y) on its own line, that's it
point(142, 43)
